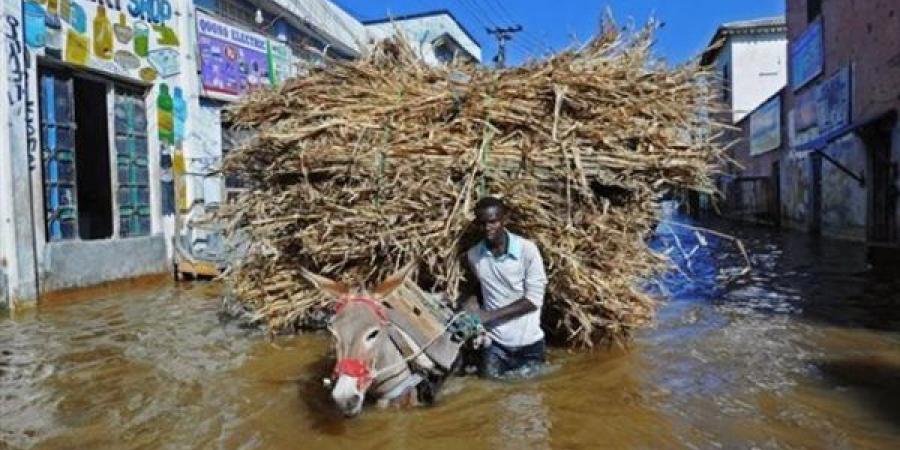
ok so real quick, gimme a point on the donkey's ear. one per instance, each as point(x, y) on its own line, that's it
point(394, 281)
point(326, 285)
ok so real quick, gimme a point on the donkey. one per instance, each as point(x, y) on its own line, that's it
point(374, 357)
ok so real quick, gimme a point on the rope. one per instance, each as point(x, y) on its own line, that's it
point(421, 350)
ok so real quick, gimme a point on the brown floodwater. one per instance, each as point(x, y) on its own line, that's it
point(802, 353)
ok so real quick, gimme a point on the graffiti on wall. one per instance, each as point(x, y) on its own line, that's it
point(15, 61)
point(134, 38)
point(31, 134)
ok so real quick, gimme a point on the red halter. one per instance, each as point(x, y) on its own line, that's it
point(353, 367)
point(376, 307)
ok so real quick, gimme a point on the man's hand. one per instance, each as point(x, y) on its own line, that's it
point(466, 325)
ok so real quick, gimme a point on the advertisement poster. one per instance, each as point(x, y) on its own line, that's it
point(765, 127)
point(281, 63)
point(137, 40)
point(833, 102)
point(822, 109)
point(232, 61)
point(807, 55)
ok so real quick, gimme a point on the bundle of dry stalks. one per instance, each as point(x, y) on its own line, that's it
point(363, 166)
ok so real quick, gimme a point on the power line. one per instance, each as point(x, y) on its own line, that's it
point(501, 11)
point(482, 18)
point(477, 8)
point(503, 35)
point(485, 20)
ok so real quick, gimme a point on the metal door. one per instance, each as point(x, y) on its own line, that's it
point(56, 97)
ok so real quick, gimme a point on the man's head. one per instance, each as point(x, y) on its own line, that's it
point(490, 218)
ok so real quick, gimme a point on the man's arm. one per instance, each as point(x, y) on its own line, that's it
point(511, 311)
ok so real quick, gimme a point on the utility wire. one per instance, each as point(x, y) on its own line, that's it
point(485, 21)
point(527, 47)
point(501, 11)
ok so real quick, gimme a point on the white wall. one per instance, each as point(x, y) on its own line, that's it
point(422, 31)
point(17, 255)
point(759, 70)
point(331, 20)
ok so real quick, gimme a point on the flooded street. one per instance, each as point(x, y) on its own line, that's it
point(802, 353)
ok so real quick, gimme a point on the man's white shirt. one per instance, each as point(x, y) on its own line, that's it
point(509, 277)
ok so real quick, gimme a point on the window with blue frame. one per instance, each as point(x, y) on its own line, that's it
point(81, 199)
point(132, 165)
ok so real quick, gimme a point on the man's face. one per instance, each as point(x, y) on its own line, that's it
point(491, 222)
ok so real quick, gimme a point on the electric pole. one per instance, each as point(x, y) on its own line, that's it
point(503, 35)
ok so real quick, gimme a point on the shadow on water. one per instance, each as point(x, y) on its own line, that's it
point(833, 282)
point(321, 413)
point(875, 382)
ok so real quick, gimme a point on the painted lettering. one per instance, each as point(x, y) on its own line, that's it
point(16, 74)
point(31, 129)
point(213, 28)
point(247, 39)
point(110, 4)
point(153, 11)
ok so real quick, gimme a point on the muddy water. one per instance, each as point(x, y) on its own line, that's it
point(802, 353)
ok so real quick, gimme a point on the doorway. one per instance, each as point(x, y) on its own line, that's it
point(882, 193)
point(815, 219)
point(775, 209)
point(95, 209)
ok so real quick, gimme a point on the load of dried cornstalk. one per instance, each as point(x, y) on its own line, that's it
point(363, 166)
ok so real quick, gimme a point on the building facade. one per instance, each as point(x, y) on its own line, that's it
point(436, 36)
point(826, 162)
point(840, 164)
point(750, 59)
point(112, 134)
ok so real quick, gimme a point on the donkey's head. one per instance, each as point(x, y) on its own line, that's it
point(366, 356)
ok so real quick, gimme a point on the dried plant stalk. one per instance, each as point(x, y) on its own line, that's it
point(363, 166)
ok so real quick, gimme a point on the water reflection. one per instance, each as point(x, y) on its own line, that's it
point(804, 352)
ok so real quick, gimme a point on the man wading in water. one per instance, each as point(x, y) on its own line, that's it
point(507, 275)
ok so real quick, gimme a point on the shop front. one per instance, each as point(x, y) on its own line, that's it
point(104, 106)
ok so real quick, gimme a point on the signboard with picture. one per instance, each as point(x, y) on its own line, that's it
point(822, 110)
point(807, 55)
point(232, 61)
point(281, 63)
point(765, 127)
point(134, 39)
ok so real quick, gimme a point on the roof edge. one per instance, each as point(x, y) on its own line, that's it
point(432, 13)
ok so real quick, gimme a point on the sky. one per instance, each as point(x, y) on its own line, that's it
point(556, 24)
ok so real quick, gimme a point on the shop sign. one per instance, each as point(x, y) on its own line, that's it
point(765, 127)
point(807, 55)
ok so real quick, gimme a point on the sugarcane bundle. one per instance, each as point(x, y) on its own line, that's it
point(362, 166)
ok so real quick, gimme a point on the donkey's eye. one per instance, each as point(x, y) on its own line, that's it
point(372, 335)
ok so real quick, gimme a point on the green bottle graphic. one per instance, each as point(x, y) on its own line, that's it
point(164, 107)
point(103, 35)
point(141, 39)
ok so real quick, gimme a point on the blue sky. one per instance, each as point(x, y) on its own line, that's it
point(689, 24)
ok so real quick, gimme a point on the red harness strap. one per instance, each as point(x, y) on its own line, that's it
point(376, 307)
point(354, 368)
